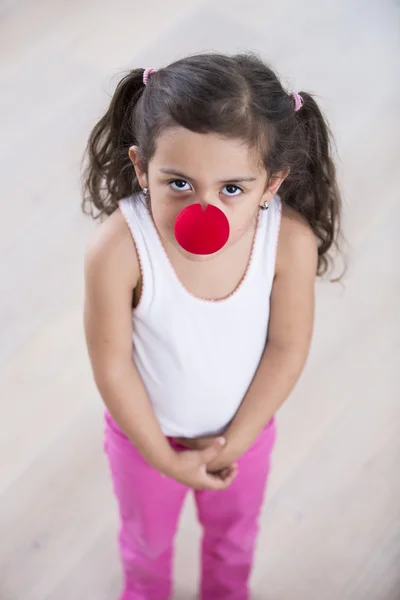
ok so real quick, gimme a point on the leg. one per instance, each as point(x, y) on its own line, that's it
point(149, 507)
point(230, 522)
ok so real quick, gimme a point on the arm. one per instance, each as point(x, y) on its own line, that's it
point(289, 338)
point(112, 273)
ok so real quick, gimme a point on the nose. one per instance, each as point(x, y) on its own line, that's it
point(203, 203)
point(205, 199)
point(201, 230)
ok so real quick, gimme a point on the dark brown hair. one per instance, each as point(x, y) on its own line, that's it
point(236, 96)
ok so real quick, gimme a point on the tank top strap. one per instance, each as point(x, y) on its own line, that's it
point(266, 242)
point(137, 217)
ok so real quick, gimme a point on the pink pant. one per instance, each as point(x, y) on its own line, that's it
point(150, 505)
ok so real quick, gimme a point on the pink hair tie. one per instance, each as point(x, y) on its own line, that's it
point(298, 101)
point(146, 75)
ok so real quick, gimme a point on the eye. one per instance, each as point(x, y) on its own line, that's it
point(180, 185)
point(233, 190)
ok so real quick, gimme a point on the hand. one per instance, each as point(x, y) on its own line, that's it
point(190, 468)
point(199, 443)
point(219, 467)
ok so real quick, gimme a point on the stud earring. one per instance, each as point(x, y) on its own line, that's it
point(146, 192)
point(264, 206)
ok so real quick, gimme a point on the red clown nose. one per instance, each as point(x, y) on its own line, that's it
point(201, 231)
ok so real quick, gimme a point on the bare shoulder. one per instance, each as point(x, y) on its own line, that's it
point(297, 245)
point(111, 250)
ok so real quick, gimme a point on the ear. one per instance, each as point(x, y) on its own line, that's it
point(139, 165)
point(274, 183)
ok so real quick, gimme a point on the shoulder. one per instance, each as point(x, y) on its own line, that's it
point(297, 244)
point(111, 251)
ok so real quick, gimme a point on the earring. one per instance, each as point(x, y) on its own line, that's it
point(146, 193)
point(264, 206)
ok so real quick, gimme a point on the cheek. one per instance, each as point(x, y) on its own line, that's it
point(241, 220)
point(164, 215)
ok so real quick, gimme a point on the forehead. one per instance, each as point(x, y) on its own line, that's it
point(189, 151)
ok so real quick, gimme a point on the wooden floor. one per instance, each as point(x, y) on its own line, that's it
point(331, 526)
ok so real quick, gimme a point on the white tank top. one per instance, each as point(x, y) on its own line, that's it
point(198, 357)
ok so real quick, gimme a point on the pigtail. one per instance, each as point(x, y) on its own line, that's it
point(108, 174)
point(311, 188)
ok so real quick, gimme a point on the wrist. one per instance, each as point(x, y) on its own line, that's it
point(234, 445)
point(168, 464)
point(228, 457)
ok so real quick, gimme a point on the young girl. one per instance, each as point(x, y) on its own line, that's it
point(199, 301)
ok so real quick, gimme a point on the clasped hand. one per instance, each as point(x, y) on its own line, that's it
point(194, 467)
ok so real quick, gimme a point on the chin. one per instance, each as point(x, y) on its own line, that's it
point(198, 257)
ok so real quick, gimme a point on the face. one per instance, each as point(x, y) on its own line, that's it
point(189, 168)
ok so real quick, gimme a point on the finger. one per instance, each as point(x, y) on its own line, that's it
point(187, 443)
point(224, 471)
point(212, 452)
point(195, 443)
point(230, 477)
point(229, 473)
point(220, 473)
point(203, 443)
point(213, 482)
point(232, 470)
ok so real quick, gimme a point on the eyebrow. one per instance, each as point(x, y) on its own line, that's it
point(187, 177)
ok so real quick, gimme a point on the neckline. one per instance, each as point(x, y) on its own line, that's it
point(182, 287)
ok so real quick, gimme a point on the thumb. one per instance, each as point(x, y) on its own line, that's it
point(209, 454)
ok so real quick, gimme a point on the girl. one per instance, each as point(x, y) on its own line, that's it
point(199, 301)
